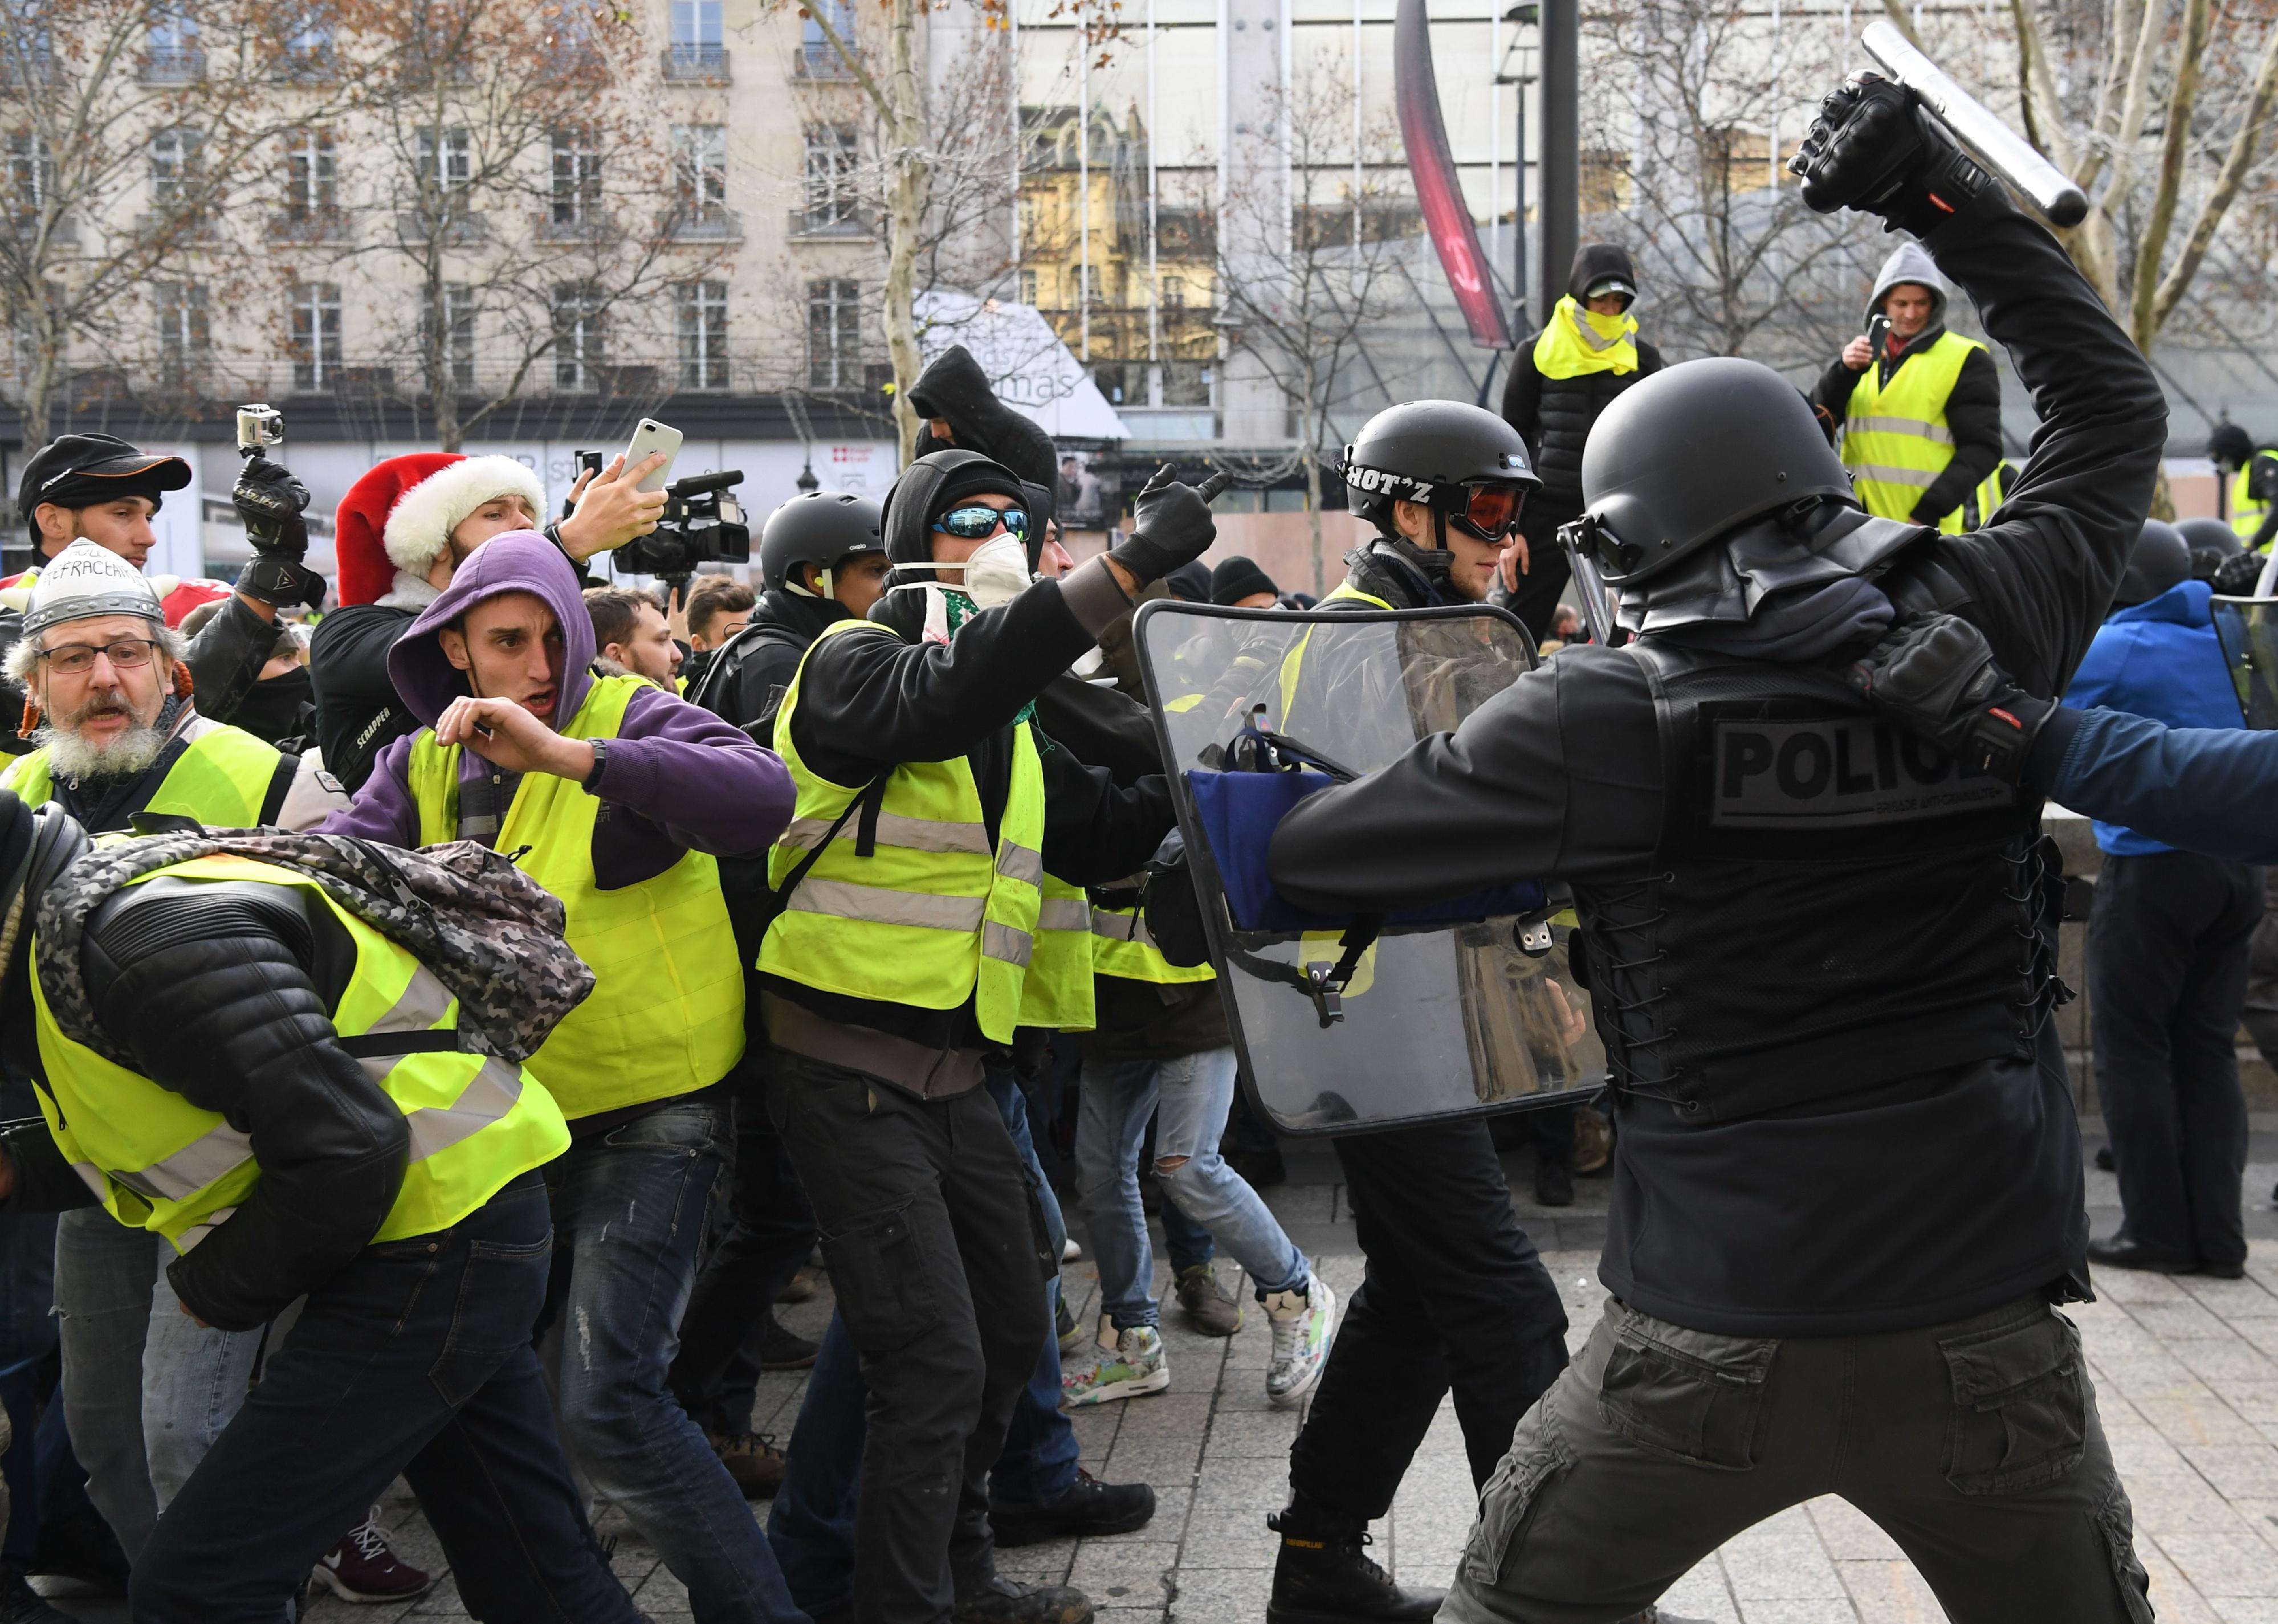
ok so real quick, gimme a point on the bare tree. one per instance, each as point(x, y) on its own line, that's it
point(1309, 248)
point(132, 130)
point(1685, 170)
point(522, 198)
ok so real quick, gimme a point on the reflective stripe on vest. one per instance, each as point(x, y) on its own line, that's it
point(666, 1015)
point(161, 1163)
point(1895, 438)
point(1571, 344)
point(1057, 995)
point(1294, 661)
point(932, 916)
point(1121, 947)
point(2246, 514)
point(221, 778)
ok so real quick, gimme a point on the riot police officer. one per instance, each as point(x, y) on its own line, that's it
point(1849, 1190)
point(1456, 1295)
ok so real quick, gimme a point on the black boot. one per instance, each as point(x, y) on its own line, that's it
point(1325, 1577)
point(20, 1603)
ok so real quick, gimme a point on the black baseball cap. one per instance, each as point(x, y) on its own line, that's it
point(79, 470)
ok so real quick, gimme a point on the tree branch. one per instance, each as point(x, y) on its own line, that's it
point(2174, 142)
point(2235, 163)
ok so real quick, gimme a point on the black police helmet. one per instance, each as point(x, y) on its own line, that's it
point(2211, 541)
point(817, 527)
point(1428, 452)
point(2160, 558)
point(1681, 458)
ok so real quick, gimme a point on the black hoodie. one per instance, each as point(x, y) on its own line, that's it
point(1554, 415)
point(954, 387)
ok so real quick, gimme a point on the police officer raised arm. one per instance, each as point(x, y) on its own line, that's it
point(1849, 1190)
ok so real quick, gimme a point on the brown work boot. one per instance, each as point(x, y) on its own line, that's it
point(753, 1460)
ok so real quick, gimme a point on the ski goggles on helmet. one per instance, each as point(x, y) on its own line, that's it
point(978, 522)
point(1489, 512)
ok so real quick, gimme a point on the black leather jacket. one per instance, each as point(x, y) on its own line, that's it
point(222, 993)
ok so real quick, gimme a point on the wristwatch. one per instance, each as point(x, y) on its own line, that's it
point(600, 760)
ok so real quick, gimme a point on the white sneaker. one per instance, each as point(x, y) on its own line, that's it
point(1070, 1251)
point(1303, 1323)
point(1124, 1364)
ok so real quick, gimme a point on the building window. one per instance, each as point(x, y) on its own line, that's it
point(577, 178)
point(174, 56)
point(174, 179)
point(310, 189)
point(1174, 293)
point(822, 60)
point(700, 171)
point(31, 173)
point(696, 24)
point(184, 338)
point(1027, 287)
point(446, 160)
point(457, 350)
point(834, 333)
point(315, 334)
point(704, 335)
point(829, 175)
point(579, 341)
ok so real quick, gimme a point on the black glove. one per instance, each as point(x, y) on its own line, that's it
point(1171, 525)
point(2237, 575)
point(270, 501)
point(1936, 677)
point(1876, 149)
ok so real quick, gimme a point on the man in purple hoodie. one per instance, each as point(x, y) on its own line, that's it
point(619, 796)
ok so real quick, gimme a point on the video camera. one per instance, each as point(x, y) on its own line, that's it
point(702, 522)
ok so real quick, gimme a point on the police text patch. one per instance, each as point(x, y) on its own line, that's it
point(1839, 773)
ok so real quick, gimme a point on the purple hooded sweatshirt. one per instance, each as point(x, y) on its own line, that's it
point(683, 778)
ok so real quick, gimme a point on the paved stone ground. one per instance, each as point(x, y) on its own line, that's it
point(2186, 1373)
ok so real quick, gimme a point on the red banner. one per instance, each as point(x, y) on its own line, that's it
point(1438, 191)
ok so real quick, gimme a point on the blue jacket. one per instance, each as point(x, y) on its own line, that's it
point(2160, 659)
point(2209, 790)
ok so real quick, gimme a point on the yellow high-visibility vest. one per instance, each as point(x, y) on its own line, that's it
point(1121, 947)
point(1577, 340)
point(220, 779)
point(666, 1016)
point(934, 915)
point(2246, 510)
point(1895, 438)
point(159, 1163)
point(1056, 993)
point(1294, 661)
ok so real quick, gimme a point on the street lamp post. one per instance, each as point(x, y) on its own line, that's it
point(1518, 71)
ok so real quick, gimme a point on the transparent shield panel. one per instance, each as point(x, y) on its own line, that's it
point(2249, 629)
point(1438, 1019)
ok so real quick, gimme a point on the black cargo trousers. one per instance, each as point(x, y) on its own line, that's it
point(938, 1258)
point(1974, 1444)
point(1455, 1296)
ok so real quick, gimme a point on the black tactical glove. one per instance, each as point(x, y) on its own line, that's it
point(270, 501)
point(1171, 525)
point(2237, 575)
point(1936, 677)
point(1876, 149)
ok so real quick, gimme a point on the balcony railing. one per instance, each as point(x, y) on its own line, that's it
point(460, 230)
point(841, 221)
point(173, 64)
point(696, 65)
point(585, 225)
point(819, 62)
point(711, 224)
point(307, 225)
point(307, 64)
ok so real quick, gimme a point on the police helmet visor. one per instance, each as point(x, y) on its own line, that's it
point(977, 522)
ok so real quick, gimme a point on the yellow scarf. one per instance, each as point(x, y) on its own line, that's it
point(1576, 340)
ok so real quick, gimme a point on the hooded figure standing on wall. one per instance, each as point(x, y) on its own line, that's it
point(1561, 378)
point(1919, 408)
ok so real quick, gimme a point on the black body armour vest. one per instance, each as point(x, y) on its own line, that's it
point(1835, 905)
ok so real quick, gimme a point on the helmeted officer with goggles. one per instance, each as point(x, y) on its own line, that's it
point(1849, 1190)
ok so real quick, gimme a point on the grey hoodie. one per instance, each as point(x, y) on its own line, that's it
point(1910, 261)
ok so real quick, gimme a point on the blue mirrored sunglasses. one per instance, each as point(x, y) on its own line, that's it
point(974, 523)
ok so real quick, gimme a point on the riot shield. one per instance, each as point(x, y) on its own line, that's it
point(1344, 1024)
point(2248, 628)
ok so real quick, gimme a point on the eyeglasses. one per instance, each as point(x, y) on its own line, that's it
point(73, 659)
point(1491, 512)
point(976, 522)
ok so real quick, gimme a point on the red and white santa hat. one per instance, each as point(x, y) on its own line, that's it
point(397, 520)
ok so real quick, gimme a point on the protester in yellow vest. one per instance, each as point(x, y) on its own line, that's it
point(929, 809)
point(615, 794)
point(1586, 353)
point(1920, 420)
point(2248, 478)
point(630, 634)
point(235, 1054)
